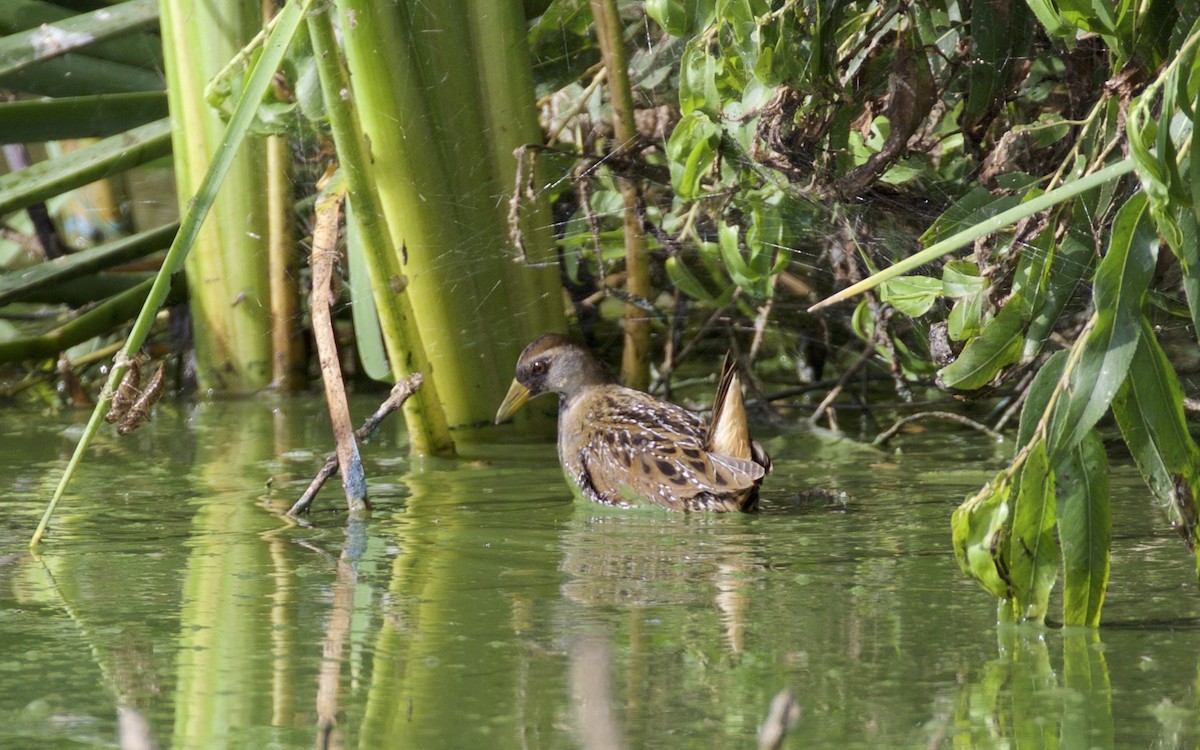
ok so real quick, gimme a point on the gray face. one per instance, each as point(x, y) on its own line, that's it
point(553, 364)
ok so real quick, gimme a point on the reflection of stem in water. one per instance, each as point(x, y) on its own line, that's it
point(731, 603)
point(329, 676)
point(591, 692)
point(121, 679)
point(1019, 698)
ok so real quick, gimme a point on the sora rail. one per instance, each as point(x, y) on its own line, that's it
point(626, 448)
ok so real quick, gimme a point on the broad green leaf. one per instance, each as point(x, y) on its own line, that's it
point(686, 282)
point(1038, 395)
point(960, 278)
point(1188, 254)
point(977, 530)
point(998, 29)
point(1121, 281)
point(966, 318)
point(1033, 266)
point(691, 149)
point(698, 80)
point(996, 347)
point(735, 264)
point(911, 295)
point(1069, 266)
point(1055, 25)
point(1084, 529)
point(1149, 411)
point(669, 14)
point(1032, 549)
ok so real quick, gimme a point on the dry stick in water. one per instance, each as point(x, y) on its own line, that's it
point(324, 257)
point(400, 393)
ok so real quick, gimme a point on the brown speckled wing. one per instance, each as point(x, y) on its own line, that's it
point(633, 448)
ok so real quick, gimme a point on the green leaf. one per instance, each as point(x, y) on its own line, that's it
point(698, 80)
point(735, 264)
point(1033, 550)
point(1055, 25)
point(1188, 254)
point(977, 528)
point(960, 278)
point(669, 14)
point(996, 347)
point(1068, 266)
point(966, 318)
point(911, 295)
point(971, 209)
point(1149, 411)
point(1038, 396)
point(691, 149)
point(1121, 281)
point(1084, 529)
point(20, 50)
point(686, 282)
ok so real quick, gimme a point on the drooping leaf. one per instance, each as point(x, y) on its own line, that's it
point(1188, 254)
point(977, 529)
point(997, 346)
point(1121, 281)
point(911, 295)
point(1084, 529)
point(1068, 268)
point(1032, 548)
point(686, 282)
point(960, 278)
point(692, 148)
point(698, 80)
point(1149, 411)
point(1038, 395)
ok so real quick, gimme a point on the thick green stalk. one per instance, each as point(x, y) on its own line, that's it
point(635, 357)
point(428, 430)
point(505, 84)
point(23, 49)
point(283, 261)
point(17, 285)
point(415, 73)
point(37, 120)
point(52, 177)
point(139, 49)
point(227, 275)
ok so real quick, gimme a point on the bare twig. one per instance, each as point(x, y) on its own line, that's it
point(400, 393)
point(834, 392)
point(890, 432)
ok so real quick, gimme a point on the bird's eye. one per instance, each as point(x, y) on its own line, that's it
point(538, 367)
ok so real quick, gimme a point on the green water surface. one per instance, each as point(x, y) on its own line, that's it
point(478, 607)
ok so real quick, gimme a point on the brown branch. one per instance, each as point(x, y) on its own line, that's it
point(400, 393)
point(635, 357)
point(890, 432)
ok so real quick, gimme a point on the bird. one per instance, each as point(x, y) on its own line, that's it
point(623, 447)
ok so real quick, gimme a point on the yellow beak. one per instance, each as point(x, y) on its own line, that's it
point(516, 398)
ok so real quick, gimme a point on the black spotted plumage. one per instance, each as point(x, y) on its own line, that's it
point(623, 447)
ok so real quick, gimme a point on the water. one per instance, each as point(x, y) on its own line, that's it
point(480, 608)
